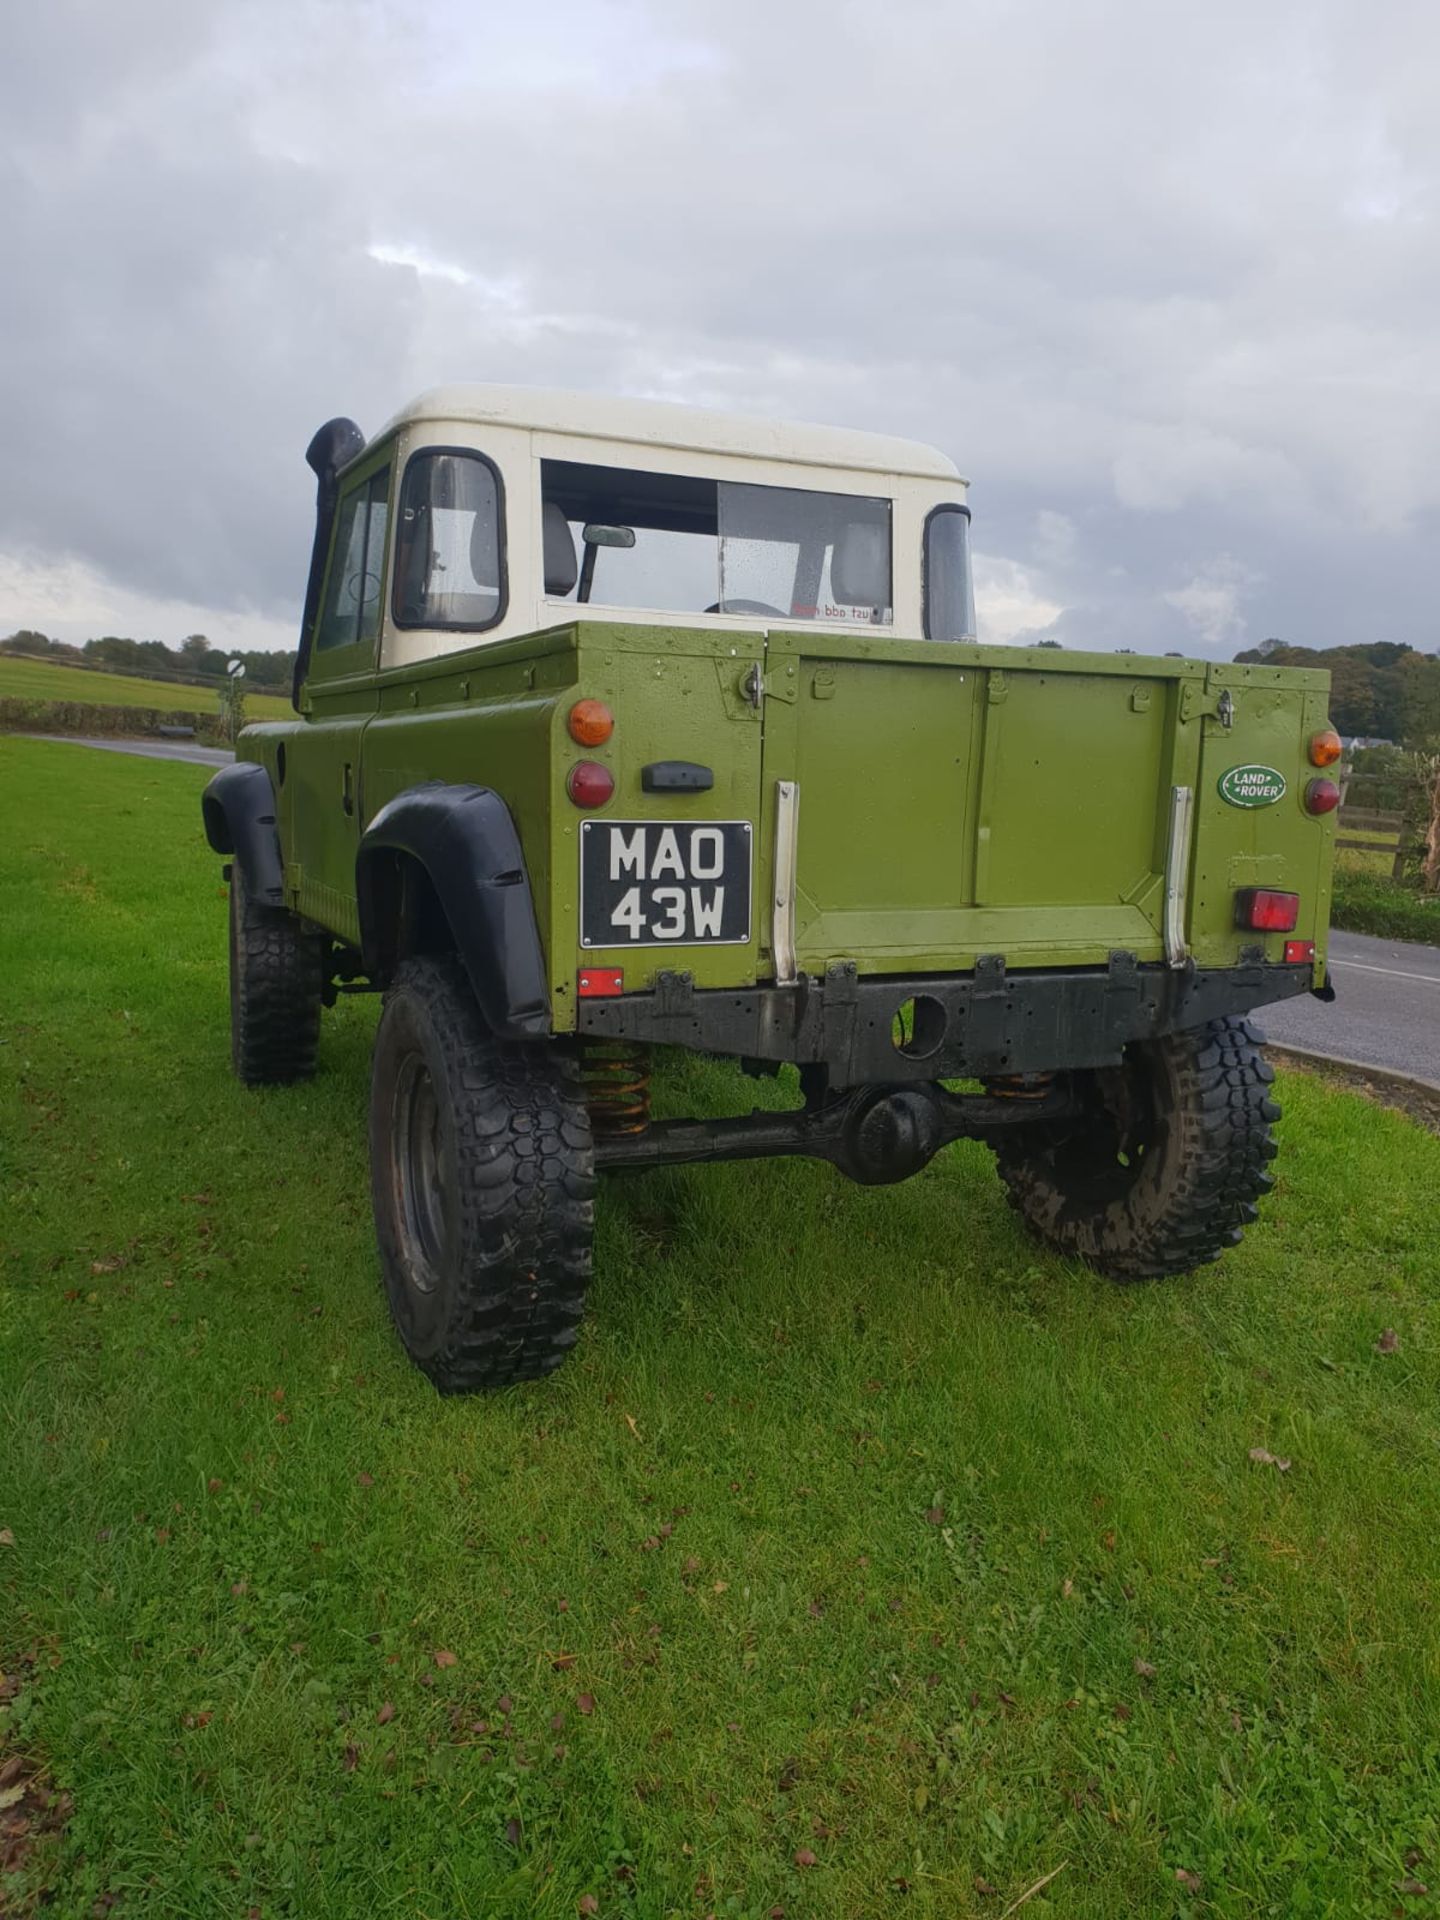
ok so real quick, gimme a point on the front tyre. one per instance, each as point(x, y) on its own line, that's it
point(1163, 1170)
point(277, 978)
point(483, 1176)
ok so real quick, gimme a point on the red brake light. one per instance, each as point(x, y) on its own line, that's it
point(1325, 748)
point(1261, 910)
point(591, 723)
point(1322, 796)
point(589, 784)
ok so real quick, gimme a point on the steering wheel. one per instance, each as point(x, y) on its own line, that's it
point(747, 606)
point(362, 587)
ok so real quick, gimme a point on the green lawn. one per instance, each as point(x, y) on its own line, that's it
point(52, 680)
point(858, 1530)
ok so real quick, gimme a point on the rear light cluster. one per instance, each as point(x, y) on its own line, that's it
point(590, 723)
point(1262, 910)
point(1323, 796)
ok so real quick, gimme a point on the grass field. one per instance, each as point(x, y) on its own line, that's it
point(864, 1561)
point(50, 680)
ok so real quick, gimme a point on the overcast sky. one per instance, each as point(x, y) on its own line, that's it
point(1164, 280)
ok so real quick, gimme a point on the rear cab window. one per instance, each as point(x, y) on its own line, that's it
point(684, 544)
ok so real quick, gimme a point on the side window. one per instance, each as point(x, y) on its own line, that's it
point(949, 588)
point(357, 565)
point(450, 543)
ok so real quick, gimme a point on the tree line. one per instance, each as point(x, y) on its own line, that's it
point(193, 660)
point(1383, 691)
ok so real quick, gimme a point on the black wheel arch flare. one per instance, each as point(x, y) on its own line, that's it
point(464, 841)
point(241, 821)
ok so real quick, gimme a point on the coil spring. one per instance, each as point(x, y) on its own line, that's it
point(617, 1086)
point(1019, 1086)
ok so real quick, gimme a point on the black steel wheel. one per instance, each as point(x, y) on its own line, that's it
point(483, 1176)
point(276, 980)
point(1164, 1169)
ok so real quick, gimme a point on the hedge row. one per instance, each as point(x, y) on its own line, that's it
point(1374, 903)
point(76, 716)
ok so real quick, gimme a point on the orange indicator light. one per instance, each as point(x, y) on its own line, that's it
point(591, 723)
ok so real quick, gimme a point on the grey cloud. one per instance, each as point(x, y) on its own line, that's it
point(1163, 278)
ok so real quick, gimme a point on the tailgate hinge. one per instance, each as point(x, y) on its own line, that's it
point(1204, 703)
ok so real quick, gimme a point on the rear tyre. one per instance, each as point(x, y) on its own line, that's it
point(1165, 1167)
point(483, 1176)
point(276, 980)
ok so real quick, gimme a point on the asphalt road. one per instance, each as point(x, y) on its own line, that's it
point(1386, 1011)
point(191, 750)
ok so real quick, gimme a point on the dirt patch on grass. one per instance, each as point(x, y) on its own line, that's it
point(1410, 1097)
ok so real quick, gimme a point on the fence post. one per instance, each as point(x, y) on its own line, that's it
point(1430, 870)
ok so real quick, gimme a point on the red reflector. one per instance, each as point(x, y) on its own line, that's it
point(589, 784)
point(1262, 911)
point(1298, 952)
point(1322, 796)
point(600, 983)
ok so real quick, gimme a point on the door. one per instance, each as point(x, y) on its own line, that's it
point(322, 785)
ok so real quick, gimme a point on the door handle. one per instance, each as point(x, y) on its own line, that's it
point(347, 788)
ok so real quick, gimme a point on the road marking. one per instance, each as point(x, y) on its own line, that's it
point(1391, 973)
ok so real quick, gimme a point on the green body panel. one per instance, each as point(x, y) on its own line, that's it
point(954, 800)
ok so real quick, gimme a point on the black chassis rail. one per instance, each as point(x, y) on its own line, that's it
point(964, 1025)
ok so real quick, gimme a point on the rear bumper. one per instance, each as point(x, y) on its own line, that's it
point(964, 1026)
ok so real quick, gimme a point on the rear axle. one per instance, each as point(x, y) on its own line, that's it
point(876, 1134)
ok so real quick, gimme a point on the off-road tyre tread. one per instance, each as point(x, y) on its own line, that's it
point(276, 982)
point(526, 1193)
point(1214, 1167)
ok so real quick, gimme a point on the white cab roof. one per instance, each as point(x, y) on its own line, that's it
point(661, 424)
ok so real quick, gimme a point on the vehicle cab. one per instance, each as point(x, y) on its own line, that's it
point(480, 513)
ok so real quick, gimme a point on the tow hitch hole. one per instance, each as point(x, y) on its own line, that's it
point(920, 1027)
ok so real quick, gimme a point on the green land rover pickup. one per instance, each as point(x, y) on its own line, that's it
point(622, 726)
